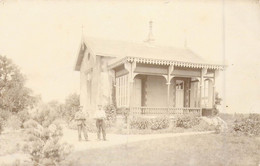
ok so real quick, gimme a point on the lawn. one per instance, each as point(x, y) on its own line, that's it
point(197, 150)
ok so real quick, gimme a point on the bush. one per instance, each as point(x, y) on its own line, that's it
point(30, 124)
point(111, 115)
point(249, 126)
point(44, 147)
point(23, 116)
point(149, 123)
point(14, 122)
point(123, 111)
point(187, 121)
point(160, 123)
point(139, 123)
point(45, 115)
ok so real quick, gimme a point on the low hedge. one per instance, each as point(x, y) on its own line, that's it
point(187, 121)
point(249, 126)
point(143, 123)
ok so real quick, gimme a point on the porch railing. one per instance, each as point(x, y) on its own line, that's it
point(165, 110)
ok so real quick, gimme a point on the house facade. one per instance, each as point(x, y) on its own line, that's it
point(147, 79)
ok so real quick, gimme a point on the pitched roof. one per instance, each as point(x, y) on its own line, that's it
point(122, 49)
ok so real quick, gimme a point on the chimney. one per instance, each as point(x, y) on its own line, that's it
point(150, 37)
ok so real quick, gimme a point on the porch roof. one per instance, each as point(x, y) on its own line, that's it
point(123, 51)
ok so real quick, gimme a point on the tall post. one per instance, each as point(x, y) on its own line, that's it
point(168, 78)
point(130, 67)
point(216, 72)
point(203, 72)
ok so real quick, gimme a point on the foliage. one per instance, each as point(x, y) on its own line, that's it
point(249, 126)
point(160, 123)
point(46, 114)
point(30, 124)
point(123, 111)
point(23, 116)
point(218, 100)
point(4, 115)
point(142, 123)
point(44, 146)
point(139, 123)
point(111, 115)
point(13, 93)
point(187, 121)
point(14, 122)
point(70, 107)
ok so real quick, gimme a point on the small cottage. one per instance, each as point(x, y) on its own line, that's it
point(147, 79)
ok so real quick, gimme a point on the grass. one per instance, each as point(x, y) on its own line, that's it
point(200, 150)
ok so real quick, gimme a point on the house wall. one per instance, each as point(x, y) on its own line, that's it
point(154, 88)
point(95, 82)
point(83, 85)
point(156, 91)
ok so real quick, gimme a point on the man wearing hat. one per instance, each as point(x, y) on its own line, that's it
point(100, 117)
point(80, 118)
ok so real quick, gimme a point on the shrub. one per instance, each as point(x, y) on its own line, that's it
point(14, 122)
point(111, 115)
point(4, 115)
point(160, 123)
point(139, 123)
point(149, 123)
point(23, 116)
point(249, 126)
point(123, 111)
point(30, 124)
point(44, 147)
point(187, 121)
point(45, 115)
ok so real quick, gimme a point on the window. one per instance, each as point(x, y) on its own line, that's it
point(122, 91)
point(207, 94)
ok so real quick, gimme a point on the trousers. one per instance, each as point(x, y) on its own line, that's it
point(100, 123)
point(82, 128)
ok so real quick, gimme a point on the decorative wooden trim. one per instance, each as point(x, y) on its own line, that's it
point(175, 63)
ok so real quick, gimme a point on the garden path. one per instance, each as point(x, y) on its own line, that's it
point(71, 137)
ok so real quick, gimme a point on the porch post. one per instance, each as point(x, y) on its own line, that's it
point(216, 72)
point(203, 72)
point(168, 78)
point(130, 67)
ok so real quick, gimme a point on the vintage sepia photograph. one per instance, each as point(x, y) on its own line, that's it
point(129, 83)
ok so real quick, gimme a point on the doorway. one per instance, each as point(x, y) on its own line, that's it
point(179, 93)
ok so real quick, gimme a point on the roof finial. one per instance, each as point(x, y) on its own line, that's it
point(82, 36)
point(150, 37)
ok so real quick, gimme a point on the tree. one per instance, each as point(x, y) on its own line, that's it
point(71, 106)
point(14, 96)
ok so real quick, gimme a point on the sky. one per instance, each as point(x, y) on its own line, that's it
point(43, 37)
